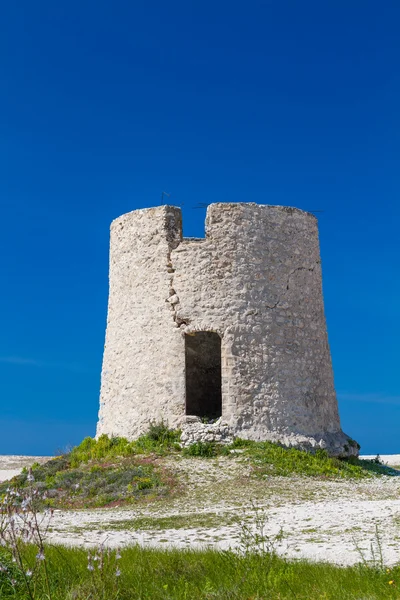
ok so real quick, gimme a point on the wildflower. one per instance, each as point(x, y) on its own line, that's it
point(28, 573)
point(90, 564)
point(40, 555)
point(117, 555)
point(117, 573)
point(391, 582)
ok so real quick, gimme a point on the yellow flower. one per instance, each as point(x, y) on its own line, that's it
point(391, 582)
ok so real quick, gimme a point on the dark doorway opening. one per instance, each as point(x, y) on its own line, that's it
point(203, 374)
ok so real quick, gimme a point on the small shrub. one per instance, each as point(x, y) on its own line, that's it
point(22, 526)
point(254, 537)
point(241, 443)
point(203, 449)
point(159, 432)
point(353, 444)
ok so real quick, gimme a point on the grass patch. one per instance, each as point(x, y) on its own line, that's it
point(272, 459)
point(201, 575)
point(207, 519)
point(159, 440)
point(206, 450)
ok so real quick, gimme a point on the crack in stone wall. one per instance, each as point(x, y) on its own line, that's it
point(310, 269)
point(173, 298)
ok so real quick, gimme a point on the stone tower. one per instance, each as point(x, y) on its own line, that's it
point(229, 326)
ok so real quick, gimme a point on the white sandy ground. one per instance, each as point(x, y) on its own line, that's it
point(12, 465)
point(333, 521)
point(392, 460)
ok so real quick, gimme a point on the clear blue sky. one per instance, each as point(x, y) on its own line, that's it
point(103, 105)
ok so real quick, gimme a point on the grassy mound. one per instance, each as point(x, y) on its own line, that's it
point(103, 472)
point(114, 471)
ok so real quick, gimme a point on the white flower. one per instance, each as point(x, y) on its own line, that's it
point(40, 555)
point(90, 567)
point(28, 573)
point(117, 573)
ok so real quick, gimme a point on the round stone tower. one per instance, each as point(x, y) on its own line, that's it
point(228, 326)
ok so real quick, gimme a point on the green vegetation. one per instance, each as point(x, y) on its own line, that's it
point(271, 459)
point(206, 519)
point(99, 484)
point(111, 471)
point(158, 440)
point(206, 450)
point(103, 472)
point(184, 575)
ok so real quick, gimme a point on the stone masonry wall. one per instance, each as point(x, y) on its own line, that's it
point(143, 376)
point(255, 279)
